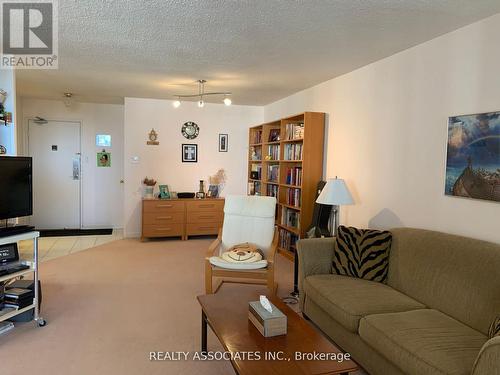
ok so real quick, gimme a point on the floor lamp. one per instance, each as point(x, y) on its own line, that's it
point(335, 193)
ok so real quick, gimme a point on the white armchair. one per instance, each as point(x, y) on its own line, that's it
point(246, 219)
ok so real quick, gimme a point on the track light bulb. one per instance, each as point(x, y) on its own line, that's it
point(227, 101)
point(176, 103)
point(201, 103)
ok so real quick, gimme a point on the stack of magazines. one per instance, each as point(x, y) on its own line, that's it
point(18, 297)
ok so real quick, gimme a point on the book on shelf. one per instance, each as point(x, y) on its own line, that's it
point(273, 152)
point(257, 136)
point(290, 218)
point(294, 176)
point(293, 197)
point(293, 151)
point(273, 171)
point(272, 191)
point(294, 131)
point(287, 240)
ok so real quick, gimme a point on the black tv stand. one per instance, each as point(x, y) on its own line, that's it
point(15, 229)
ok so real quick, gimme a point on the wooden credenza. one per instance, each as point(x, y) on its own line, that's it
point(181, 217)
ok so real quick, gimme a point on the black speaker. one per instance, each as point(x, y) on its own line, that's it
point(321, 216)
point(185, 195)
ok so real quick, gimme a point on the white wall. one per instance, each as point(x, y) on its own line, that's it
point(8, 133)
point(163, 162)
point(387, 130)
point(102, 192)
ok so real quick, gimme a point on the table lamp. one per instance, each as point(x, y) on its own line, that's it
point(335, 193)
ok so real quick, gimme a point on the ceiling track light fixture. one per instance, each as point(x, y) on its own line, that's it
point(201, 94)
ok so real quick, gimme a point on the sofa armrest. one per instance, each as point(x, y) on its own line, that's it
point(315, 257)
point(488, 360)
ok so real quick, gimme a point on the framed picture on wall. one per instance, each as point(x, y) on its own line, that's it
point(223, 142)
point(473, 156)
point(189, 153)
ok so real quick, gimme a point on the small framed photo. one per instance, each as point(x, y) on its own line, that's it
point(104, 159)
point(274, 135)
point(223, 142)
point(213, 191)
point(189, 153)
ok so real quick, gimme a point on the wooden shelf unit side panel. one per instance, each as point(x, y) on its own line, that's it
point(312, 164)
point(251, 141)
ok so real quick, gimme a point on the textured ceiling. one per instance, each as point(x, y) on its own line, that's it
point(261, 50)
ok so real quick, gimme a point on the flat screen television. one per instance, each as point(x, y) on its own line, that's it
point(16, 187)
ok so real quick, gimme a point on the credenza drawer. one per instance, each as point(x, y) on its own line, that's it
point(202, 229)
point(162, 230)
point(163, 206)
point(205, 205)
point(194, 217)
point(165, 217)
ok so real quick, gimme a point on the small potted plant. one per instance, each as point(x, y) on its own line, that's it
point(149, 187)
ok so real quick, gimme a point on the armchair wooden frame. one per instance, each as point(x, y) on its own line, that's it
point(264, 276)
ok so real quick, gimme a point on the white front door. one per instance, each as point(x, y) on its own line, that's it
point(55, 148)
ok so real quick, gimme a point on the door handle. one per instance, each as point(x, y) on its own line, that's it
point(76, 167)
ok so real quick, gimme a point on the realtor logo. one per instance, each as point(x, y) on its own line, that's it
point(29, 34)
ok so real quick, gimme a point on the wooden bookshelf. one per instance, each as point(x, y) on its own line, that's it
point(297, 152)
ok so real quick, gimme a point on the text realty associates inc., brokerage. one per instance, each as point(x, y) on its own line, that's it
point(248, 356)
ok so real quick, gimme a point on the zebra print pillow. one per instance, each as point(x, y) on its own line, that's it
point(494, 328)
point(362, 253)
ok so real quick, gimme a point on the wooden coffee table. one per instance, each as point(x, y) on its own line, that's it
point(227, 315)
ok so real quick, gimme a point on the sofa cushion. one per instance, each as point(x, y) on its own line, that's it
point(452, 274)
point(347, 299)
point(362, 253)
point(423, 342)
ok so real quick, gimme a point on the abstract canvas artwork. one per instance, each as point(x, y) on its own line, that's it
point(473, 156)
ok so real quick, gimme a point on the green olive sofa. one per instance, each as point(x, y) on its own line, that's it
point(430, 317)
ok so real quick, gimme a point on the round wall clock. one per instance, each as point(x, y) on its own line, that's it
point(190, 130)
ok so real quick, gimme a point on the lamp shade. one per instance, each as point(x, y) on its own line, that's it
point(335, 193)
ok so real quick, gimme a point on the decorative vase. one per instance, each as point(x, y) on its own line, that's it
point(201, 192)
point(148, 192)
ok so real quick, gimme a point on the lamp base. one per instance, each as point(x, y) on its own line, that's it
point(334, 220)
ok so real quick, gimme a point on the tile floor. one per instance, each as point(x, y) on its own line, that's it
point(54, 247)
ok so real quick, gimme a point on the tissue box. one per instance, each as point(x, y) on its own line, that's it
point(268, 324)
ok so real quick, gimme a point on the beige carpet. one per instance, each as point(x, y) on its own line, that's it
point(108, 306)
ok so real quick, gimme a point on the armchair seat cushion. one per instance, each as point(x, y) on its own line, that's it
point(423, 342)
point(347, 299)
point(219, 262)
